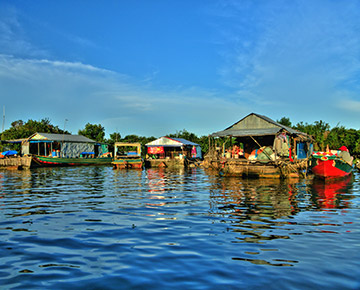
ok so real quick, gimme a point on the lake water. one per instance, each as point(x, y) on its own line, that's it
point(99, 228)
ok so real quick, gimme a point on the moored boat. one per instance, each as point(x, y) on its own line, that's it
point(329, 165)
point(48, 149)
point(64, 161)
point(127, 156)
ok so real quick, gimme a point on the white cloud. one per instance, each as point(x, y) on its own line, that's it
point(281, 49)
point(349, 105)
point(83, 93)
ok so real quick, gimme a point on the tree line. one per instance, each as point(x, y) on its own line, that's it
point(321, 131)
point(21, 130)
point(324, 135)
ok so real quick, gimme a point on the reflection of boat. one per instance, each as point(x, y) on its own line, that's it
point(64, 161)
point(328, 190)
point(329, 165)
point(127, 155)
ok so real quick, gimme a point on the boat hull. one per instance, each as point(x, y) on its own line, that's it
point(42, 161)
point(256, 169)
point(330, 168)
point(128, 163)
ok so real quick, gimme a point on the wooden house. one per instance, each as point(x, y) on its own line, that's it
point(258, 146)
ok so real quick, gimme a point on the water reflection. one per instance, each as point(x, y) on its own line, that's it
point(169, 186)
point(99, 228)
point(260, 211)
point(332, 194)
point(253, 199)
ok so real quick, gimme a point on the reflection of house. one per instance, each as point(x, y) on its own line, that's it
point(171, 152)
point(61, 145)
point(259, 146)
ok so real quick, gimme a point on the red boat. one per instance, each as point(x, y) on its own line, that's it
point(329, 165)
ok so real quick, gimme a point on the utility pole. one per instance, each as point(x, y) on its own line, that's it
point(62, 143)
point(3, 124)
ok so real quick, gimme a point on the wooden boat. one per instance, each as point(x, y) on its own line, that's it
point(242, 167)
point(327, 165)
point(41, 161)
point(127, 156)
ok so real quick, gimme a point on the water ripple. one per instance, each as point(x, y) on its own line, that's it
point(98, 228)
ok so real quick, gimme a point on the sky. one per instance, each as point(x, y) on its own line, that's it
point(153, 68)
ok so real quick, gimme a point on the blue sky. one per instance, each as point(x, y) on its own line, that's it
point(153, 68)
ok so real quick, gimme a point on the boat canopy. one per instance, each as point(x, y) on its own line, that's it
point(170, 142)
point(176, 143)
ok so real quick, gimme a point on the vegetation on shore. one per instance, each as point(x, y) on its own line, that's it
point(324, 135)
point(321, 131)
point(21, 130)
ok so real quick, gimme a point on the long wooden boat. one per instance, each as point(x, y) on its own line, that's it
point(246, 168)
point(41, 161)
point(125, 157)
point(326, 165)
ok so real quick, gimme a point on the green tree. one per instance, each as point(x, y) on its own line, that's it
point(203, 141)
point(21, 130)
point(94, 132)
point(284, 121)
point(185, 135)
point(318, 130)
point(114, 137)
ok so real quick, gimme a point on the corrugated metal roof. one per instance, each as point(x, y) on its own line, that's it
point(256, 125)
point(186, 142)
point(60, 138)
point(170, 142)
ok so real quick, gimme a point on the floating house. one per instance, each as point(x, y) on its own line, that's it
point(127, 156)
point(62, 145)
point(48, 149)
point(260, 147)
point(171, 152)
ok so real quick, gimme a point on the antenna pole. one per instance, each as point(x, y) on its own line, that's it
point(2, 129)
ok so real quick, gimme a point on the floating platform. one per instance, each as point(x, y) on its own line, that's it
point(257, 169)
point(18, 162)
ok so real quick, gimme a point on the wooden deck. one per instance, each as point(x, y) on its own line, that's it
point(16, 162)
